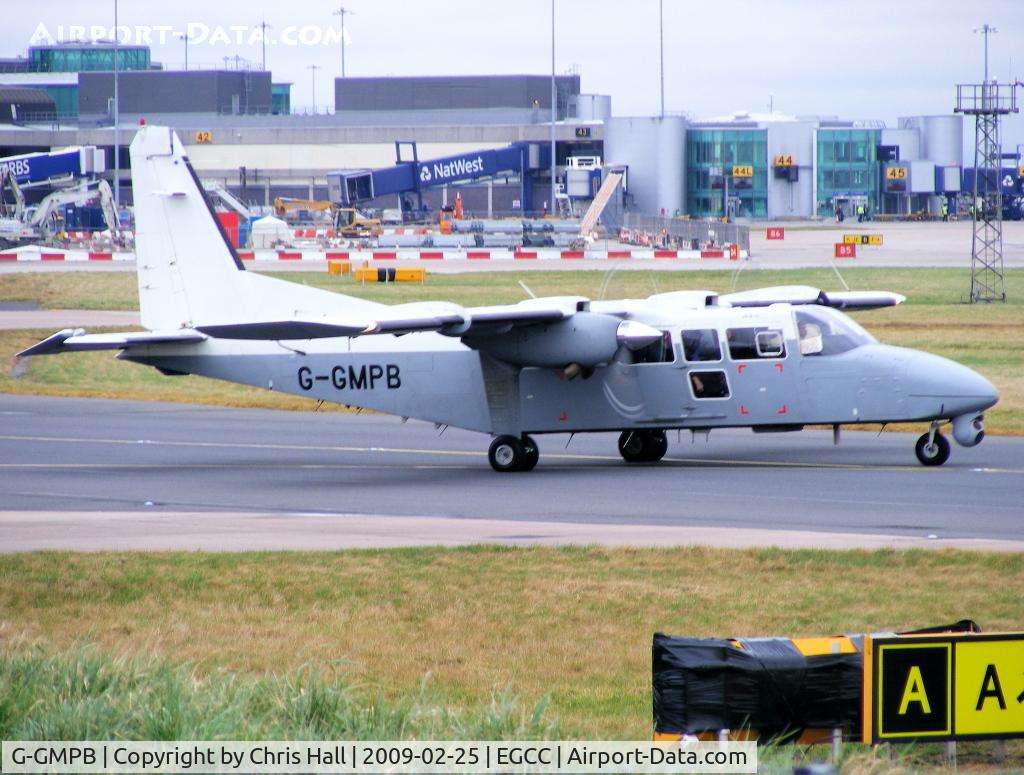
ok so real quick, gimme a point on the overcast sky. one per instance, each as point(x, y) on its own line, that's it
point(865, 59)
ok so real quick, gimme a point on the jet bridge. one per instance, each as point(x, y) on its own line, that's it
point(36, 169)
point(351, 188)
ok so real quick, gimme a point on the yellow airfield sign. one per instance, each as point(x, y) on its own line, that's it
point(991, 676)
point(944, 687)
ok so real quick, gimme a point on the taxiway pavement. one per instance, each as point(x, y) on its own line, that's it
point(93, 474)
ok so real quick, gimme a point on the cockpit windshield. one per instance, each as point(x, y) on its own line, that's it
point(824, 331)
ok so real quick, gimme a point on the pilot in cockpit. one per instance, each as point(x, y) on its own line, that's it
point(810, 338)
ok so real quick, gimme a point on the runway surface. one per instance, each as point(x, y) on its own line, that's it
point(90, 474)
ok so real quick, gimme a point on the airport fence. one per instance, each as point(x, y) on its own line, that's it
point(680, 233)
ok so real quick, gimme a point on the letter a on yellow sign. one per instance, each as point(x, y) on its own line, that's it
point(914, 692)
point(990, 687)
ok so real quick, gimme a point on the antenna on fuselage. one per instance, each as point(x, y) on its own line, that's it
point(526, 288)
point(836, 270)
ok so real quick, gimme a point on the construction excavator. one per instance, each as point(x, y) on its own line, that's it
point(39, 223)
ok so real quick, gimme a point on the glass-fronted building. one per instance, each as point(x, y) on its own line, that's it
point(81, 58)
point(713, 159)
point(847, 170)
point(84, 58)
point(280, 99)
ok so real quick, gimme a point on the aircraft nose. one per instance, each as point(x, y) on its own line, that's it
point(957, 388)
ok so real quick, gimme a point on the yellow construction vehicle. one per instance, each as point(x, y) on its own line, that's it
point(301, 209)
point(350, 223)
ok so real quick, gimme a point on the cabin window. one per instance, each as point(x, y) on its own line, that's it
point(701, 345)
point(747, 344)
point(769, 344)
point(656, 352)
point(709, 384)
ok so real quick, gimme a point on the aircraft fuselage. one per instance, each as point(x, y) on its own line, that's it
point(716, 368)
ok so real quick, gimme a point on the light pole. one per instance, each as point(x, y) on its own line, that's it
point(117, 122)
point(343, 12)
point(313, 69)
point(554, 103)
point(986, 30)
point(185, 37)
point(661, 51)
point(264, 27)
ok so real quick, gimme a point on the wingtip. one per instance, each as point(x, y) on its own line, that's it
point(50, 344)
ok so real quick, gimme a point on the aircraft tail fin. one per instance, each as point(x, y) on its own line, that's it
point(189, 274)
point(186, 266)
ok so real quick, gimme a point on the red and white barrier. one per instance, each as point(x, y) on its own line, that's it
point(304, 255)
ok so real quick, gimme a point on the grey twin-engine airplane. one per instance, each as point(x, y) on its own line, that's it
point(774, 359)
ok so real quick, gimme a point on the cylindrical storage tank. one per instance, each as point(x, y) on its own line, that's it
point(942, 138)
point(593, 107)
point(908, 139)
point(633, 142)
point(653, 150)
point(671, 150)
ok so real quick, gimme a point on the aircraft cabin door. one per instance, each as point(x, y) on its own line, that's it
point(661, 378)
point(761, 375)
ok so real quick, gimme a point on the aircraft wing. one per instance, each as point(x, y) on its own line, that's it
point(76, 340)
point(442, 317)
point(805, 294)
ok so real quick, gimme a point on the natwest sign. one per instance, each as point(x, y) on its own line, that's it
point(447, 170)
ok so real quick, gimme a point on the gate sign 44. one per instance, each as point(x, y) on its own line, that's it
point(944, 687)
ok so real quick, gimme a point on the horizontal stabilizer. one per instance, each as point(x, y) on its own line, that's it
point(76, 340)
point(805, 294)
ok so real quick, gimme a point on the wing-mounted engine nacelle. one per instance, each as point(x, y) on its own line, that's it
point(968, 429)
point(587, 339)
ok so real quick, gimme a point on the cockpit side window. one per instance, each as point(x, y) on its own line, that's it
point(822, 332)
point(746, 344)
point(657, 352)
point(701, 345)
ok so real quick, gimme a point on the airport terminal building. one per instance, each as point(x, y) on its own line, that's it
point(240, 130)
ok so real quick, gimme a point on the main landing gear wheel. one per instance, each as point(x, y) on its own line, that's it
point(932, 451)
point(508, 453)
point(532, 453)
point(642, 446)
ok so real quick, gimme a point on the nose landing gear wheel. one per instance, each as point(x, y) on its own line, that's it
point(932, 451)
point(508, 453)
point(643, 446)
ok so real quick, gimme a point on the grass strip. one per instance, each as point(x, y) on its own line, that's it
point(573, 624)
point(84, 694)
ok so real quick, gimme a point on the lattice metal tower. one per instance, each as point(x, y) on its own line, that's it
point(987, 102)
